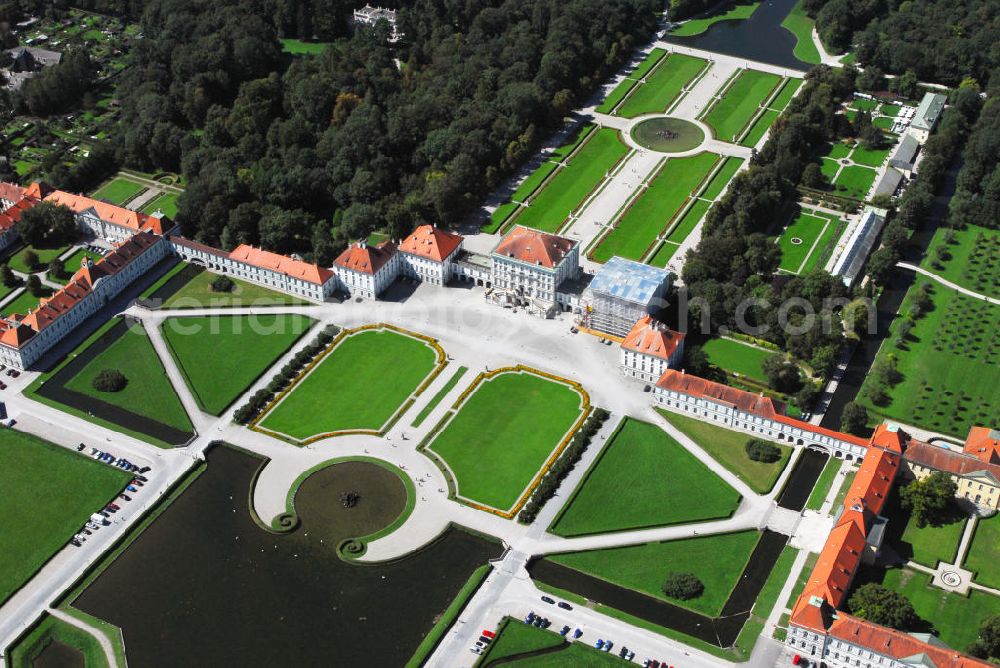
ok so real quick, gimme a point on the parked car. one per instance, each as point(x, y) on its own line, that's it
point(530, 618)
point(546, 599)
point(577, 633)
point(124, 497)
point(132, 488)
point(599, 644)
point(75, 543)
point(608, 645)
point(564, 631)
point(80, 447)
point(564, 605)
point(489, 634)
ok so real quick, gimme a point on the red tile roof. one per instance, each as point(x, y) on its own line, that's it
point(109, 213)
point(898, 644)
point(11, 191)
point(873, 482)
point(950, 461)
point(890, 437)
point(534, 247)
point(429, 242)
point(12, 214)
point(194, 245)
point(651, 337)
point(749, 402)
point(984, 444)
point(282, 264)
point(366, 259)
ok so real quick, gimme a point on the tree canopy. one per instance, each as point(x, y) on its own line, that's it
point(929, 499)
point(883, 606)
point(48, 225)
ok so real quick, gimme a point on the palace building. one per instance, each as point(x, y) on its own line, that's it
point(649, 349)
point(366, 271)
point(622, 292)
point(530, 267)
point(428, 254)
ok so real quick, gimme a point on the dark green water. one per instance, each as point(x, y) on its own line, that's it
point(204, 586)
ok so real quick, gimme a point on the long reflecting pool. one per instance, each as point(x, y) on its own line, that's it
point(203, 585)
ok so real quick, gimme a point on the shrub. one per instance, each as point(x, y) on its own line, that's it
point(34, 285)
point(762, 451)
point(109, 380)
point(222, 284)
point(683, 586)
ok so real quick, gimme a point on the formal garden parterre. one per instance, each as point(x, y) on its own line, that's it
point(661, 87)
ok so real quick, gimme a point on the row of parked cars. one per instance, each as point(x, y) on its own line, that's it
point(103, 516)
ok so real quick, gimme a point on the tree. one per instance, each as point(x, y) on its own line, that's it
point(988, 644)
point(696, 361)
point(854, 419)
point(883, 606)
point(813, 177)
point(683, 586)
point(782, 375)
point(762, 451)
point(48, 225)
point(9, 278)
point(34, 285)
point(222, 284)
point(57, 269)
point(30, 258)
point(109, 380)
point(881, 265)
point(929, 499)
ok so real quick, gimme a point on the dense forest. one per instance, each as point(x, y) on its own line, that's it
point(936, 41)
point(306, 154)
point(977, 194)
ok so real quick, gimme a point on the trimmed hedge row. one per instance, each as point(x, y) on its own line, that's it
point(546, 489)
point(261, 398)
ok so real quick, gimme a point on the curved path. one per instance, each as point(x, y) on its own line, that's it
point(102, 640)
point(948, 284)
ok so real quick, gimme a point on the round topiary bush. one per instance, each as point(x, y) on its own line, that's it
point(762, 451)
point(109, 380)
point(223, 284)
point(683, 586)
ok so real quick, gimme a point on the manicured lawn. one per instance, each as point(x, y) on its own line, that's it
point(830, 168)
point(889, 110)
point(530, 184)
point(760, 126)
point(75, 261)
point(969, 260)
point(863, 104)
point(663, 255)
point(955, 618)
point(883, 123)
point(436, 399)
point(736, 357)
point(25, 301)
point(801, 25)
point(950, 365)
point(221, 356)
point(25, 653)
point(622, 89)
point(786, 94)
point(823, 484)
point(516, 637)
point(727, 447)
point(838, 151)
point(45, 255)
point(717, 561)
point(639, 458)
point(48, 494)
point(854, 181)
point(503, 434)
point(798, 239)
point(870, 157)
point(572, 142)
point(662, 86)
point(826, 241)
point(648, 63)
point(167, 203)
point(926, 545)
point(198, 293)
point(118, 190)
point(298, 47)
point(729, 115)
point(574, 654)
point(698, 26)
point(983, 556)
point(722, 178)
point(766, 600)
point(499, 217)
point(148, 392)
point(690, 220)
point(567, 190)
point(648, 215)
point(360, 384)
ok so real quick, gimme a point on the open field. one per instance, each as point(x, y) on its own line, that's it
point(511, 408)
point(568, 189)
point(649, 214)
point(698, 26)
point(735, 357)
point(801, 25)
point(359, 384)
point(662, 86)
point(717, 561)
point(54, 633)
point(118, 190)
point(622, 89)
point(727, 447)
point(221, 357)
point(730, 114)
point(48, 494)
point(968, 260)
point(639, 458)
point(133, 355)
point(950, 365)
point(983, 556)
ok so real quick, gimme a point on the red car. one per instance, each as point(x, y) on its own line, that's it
point(489, 634)
point(796, 660)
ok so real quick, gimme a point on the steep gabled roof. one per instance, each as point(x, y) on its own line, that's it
point(983, 443)
point(11, 191)
point(900, 645)
point(890, 437)
point(12, 214)
point(534, 247)
point(109, 213)
point(282, 264)
point(429, 242)
point(950, 461)
point(758, 404)
point(651, 337)
point(366, 259)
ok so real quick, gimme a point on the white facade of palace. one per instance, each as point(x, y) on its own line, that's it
point(647, 368)
point(534, 281)
point(427, 270)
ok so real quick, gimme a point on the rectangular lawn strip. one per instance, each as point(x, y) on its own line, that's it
point(17, 261)
point(870, 157)
point(690, 220)
point(198, 293)
point(728, 448)
point(663, 255)
point(499, 217)
point(729, 115)
point(511, 408)
point(786, 94)
point(221, 357)
point(956, 618)
point(166, 202)
point(760, 126)
point(718, 561)
point(830, 235)
point(722, 177)
point(823, 484)
point(48, 494)
point(698, 26)
point(616, 95)
point(766, 600)
point(148, 391)
point(638, 458)
point(359, 384)
point(298, 47)
point(531, 183)
point(736, 357)
point(118, 190)
point(801, 25)
point(436, 399)
point(854, 181)
point(573, 654)
point(806, 228)
point(515, 637)
point(950, 365)
point(652, 210)
point(567, 190)
point(983, 555)
point(577, 137)
point(662, 86)
point(648, 63)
